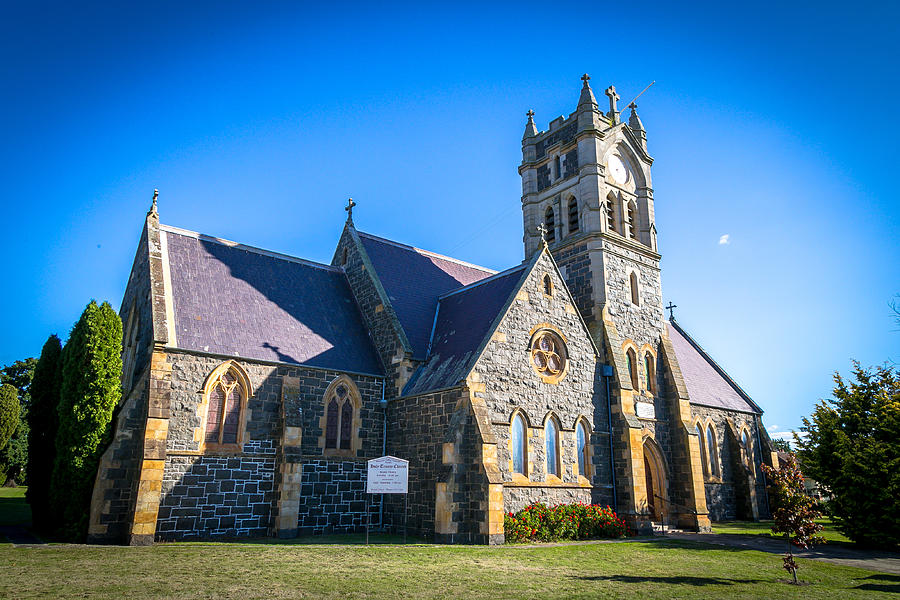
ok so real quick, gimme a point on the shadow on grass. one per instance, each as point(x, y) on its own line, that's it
point(674, 580)
point(348, 539)
point(891, 585)
point(15, 511)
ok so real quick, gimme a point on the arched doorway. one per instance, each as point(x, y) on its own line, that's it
point(656, 481)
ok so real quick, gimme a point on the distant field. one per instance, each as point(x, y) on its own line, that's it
point(765, 528)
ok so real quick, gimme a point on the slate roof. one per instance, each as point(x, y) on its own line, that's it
point(707, 383)
point(464, 318)
point(236, 300)
point(414, 279)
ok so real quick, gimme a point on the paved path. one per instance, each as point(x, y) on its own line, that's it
point(873, 560)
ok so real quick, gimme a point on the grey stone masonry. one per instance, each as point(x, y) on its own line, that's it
point(333, 497)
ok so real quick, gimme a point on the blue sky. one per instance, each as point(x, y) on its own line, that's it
point(774, 125)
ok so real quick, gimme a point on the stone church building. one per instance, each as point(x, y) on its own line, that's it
point(257, 385)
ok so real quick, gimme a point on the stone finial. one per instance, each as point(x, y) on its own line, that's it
point(530, 127)
point(613, 98)
point(634, 121)
point(154, 210)
point(542, 231)
point(586, 99)
point(349, 209)
point(671, 308)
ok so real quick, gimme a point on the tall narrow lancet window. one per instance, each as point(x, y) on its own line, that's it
point(631, 361)
point(552, 447)
point(649, 374)
point(519, 445)
point(712, 452)
point(703, 459)
point(331, 427)
point(573, 215)
point(745, 447)
point(581, 447)
point(346, 425)
point(632, 220)
point(550, 224)
point(635, 292)
point(226, 397)
point(611, 213)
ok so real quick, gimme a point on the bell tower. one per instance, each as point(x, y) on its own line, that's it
point(587, 180)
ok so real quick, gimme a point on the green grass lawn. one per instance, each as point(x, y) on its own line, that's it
point(765, 528)
point(637, 569)
point(13, 508)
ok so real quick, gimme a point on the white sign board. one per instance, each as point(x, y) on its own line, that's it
point(387, 475)
point(645, 410)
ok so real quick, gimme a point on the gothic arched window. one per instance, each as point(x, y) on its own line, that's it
point(341, 419)
point(712, 451)
point(581, 447)
point(548, 286)
point(519, 445)
point(632, 220)
point(573, 215)
point(631, 361)
point(635, 292)
point(225, 394)
point(702, 451)
point(550, 224)
point(551, 440)
point(745, 447)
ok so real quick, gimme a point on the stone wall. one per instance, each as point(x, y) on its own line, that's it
point(722, 493)
point(512, 383)
point(237, 494)
point(575, 263)
point(642, 323)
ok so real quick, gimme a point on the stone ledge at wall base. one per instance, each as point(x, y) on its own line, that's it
point(471, 539)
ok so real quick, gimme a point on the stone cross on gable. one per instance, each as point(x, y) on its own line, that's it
point(671, 308)
point(613, 97)
point(349, 208)
point(585, 78)
point(530, 113)
point(542, 230)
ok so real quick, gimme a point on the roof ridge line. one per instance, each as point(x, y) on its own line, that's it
point(426, 252)
point(475, 284)
point(712, 362)
point(231, 244)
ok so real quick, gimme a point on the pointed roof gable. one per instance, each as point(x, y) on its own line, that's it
point(414, 279)
point(462, 321)
point(241, 301)
point(707, 383)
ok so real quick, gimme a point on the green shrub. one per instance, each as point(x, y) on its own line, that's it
point(43, 421)
point(90, 390)
point(538, 522)
point(9, 413)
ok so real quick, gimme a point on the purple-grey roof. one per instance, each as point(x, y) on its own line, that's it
point(240, 301)
point(413, 280)
point(464, 319)
point(707, 383)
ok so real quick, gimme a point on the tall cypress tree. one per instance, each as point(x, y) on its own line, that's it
point(90, 391)
point(43, 420)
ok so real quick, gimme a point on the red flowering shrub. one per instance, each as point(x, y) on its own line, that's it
point(563, 522)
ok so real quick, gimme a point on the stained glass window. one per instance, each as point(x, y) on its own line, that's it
point(519, 445)
point(548, 354)
point(632, 368)
point(648, 372)
point(223, 416)
point(331, 424)
point(346, 424)
point(340, 409)
point(702, 451)
point(552, 444)
point(711, 451)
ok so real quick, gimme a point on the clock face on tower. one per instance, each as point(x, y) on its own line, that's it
point(617, 169)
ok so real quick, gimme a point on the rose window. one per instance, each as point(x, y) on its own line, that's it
point(548, 355)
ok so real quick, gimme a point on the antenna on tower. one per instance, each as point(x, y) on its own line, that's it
point(639, 95)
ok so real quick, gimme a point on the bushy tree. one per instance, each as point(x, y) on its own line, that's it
point(13, 458)
point(90, 390)
point(10, 410)
point(42, 421)
point(795, 515)
point(852, 447)
point(781, 445)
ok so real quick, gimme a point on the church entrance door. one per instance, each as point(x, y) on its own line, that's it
point(655, 478)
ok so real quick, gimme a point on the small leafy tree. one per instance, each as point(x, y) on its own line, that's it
point(9, 413)
point(13, 458)
point(852, 447)
point(796, 514)
point(90, 390)
point(43, 423)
